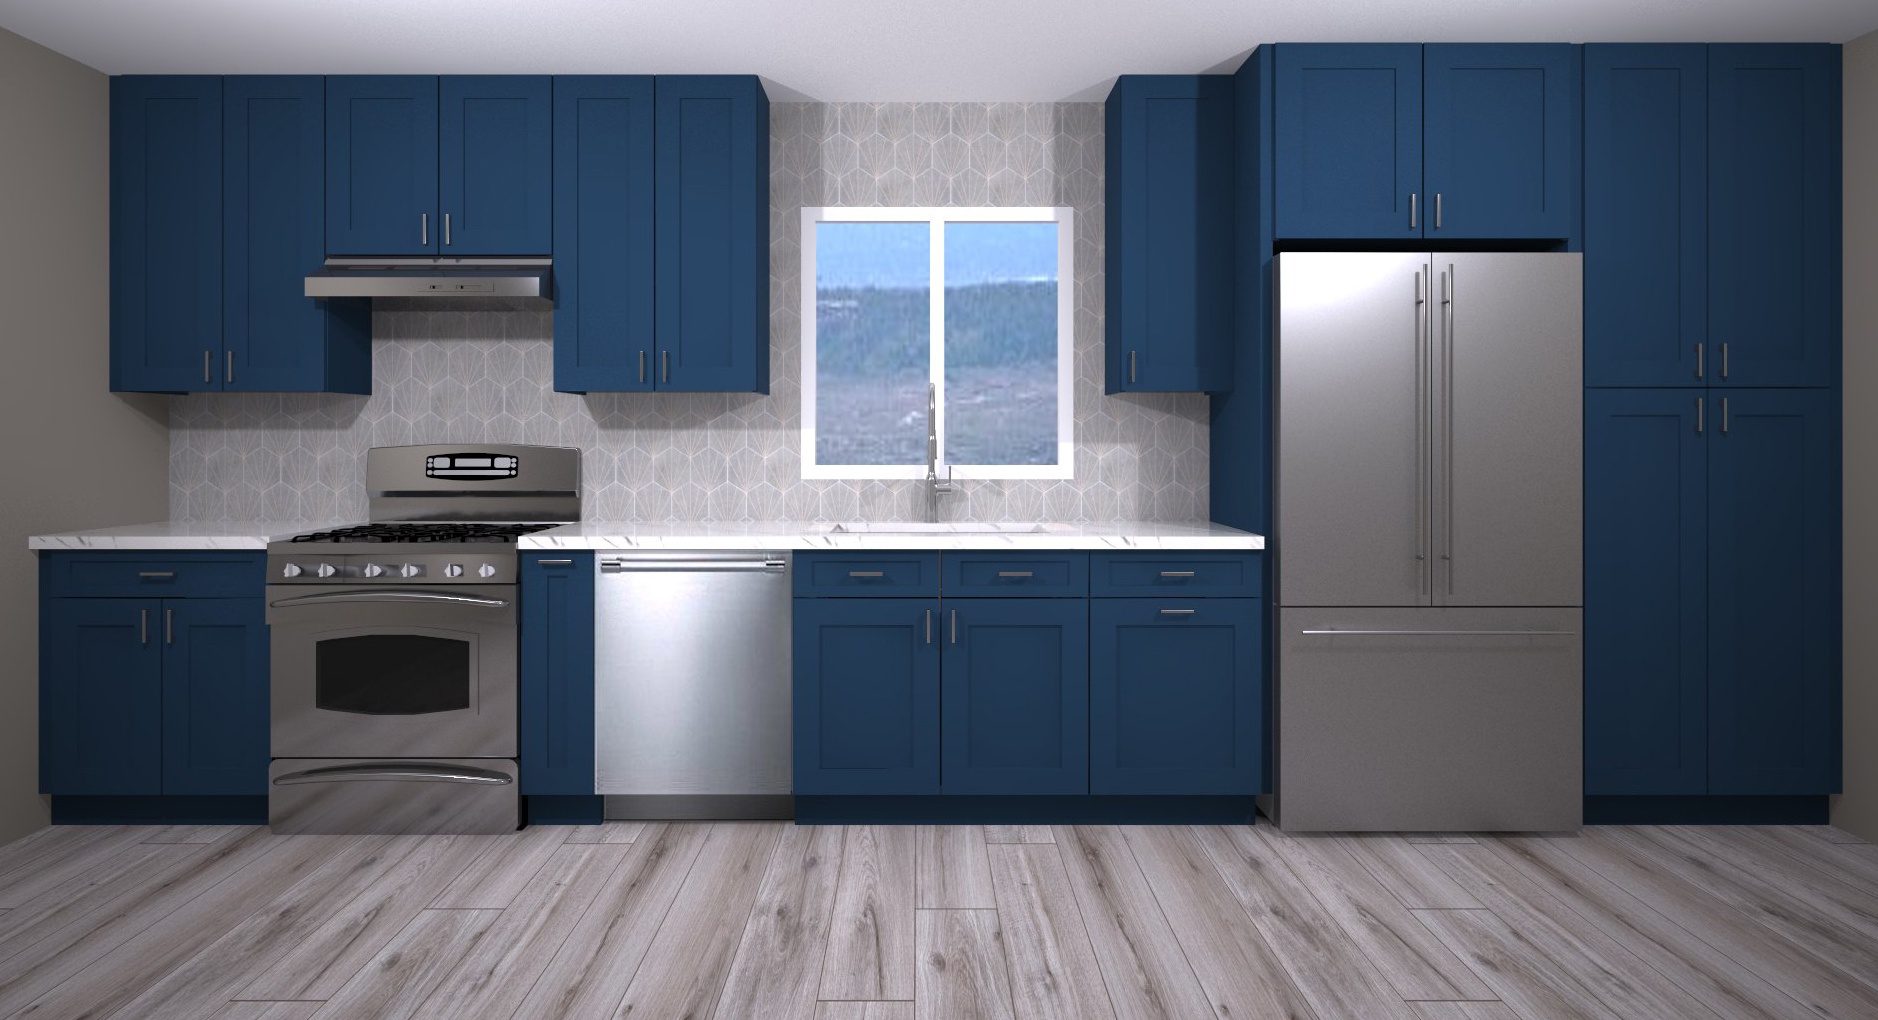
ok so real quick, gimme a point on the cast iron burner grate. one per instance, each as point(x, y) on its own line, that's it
point(451, 531)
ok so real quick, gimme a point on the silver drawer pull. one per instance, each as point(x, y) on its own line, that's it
point(1016, 573)
point(1178, 612)
point(867, 573)
point(156, 575)
point(1445, 633)
point(1176, 573)
point(384, 770)
point(556, 563)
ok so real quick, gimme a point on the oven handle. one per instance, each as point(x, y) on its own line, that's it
point(377, 770)
point(389, 595)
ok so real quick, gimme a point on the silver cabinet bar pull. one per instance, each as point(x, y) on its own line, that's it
point(1437, 210)
point(1016, 573)
point(1178, 612)
point(929, 626)
point(1440, 633)
point(955, 626)
point(446, 228)
point(642, 366)
point(665, 359)
point(556, 563)
point(1698, 416)
point(143, 626)
point(1176, 573)
point(169, 626)
point(206, 355)
point(1131, 366)
point(1724, 359)
point(867, 573)
point(1415, 213)
point(1724, 429)
point(1698, 361)
point(230, 373)
point(156, 575)
point(423, 229)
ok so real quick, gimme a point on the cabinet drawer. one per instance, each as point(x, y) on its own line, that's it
point(1187, 574)
point(891, 573)
point(1058, 574)
point(135, 575)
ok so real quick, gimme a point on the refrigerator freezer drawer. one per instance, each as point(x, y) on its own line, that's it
point(1430, 720)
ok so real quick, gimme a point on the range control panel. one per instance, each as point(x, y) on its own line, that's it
point(386, 565)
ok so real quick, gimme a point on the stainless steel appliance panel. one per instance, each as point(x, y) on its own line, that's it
point(349, 796)
point(1433, 719)
point(1353, 468)
point(1508, 428)
point(408, 672)
point(692, 675)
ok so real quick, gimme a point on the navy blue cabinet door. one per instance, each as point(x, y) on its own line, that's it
point(1015, 696)
point(100, 696)
point(274, 337)
point(381, 165)
point(1501, 129)
point(166, 235)
point(495, 163)
point(557, 673)
point(712, 233)
point(1348, 140)
point(1774, 223)
point(1646, 601)
point(1646, 216)
point(1169, 195)
point(866, 696)
point(603, 203)
point(215, 696)
point(1176, 704)
point(1774, 589)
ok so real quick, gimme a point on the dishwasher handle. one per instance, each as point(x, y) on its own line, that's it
point(747, 564)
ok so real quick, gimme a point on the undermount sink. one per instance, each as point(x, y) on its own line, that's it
point(944, 528)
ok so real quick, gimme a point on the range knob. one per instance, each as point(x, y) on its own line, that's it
point(291, 570)
point(326, 570)
point(373, 570)
point(453, 570)
point(410, 570)
point(486, 570)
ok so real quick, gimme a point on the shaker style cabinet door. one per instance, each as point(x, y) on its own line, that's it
point(1774, 214)
point(1774, 593)
point(101, 697)
point(557, 674)
point(166, 233)
point(215, 696)
point(867, 696)
point(1646, 591)
point(603, 234)
point(1646, 216)
point(1015, 696)
point(381, 165)
point(495, 164)
point(1348, 140)
point(1501, 131)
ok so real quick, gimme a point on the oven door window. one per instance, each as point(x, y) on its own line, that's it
point(393, 674)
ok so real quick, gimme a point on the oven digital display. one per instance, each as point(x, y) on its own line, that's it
point(471, 466)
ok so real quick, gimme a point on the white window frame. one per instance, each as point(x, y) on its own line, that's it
point(937, 217)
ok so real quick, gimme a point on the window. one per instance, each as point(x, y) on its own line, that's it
point(972, 308)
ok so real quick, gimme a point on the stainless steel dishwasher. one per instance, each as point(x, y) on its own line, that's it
point(692, 685)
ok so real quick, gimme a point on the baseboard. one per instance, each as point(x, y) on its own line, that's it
point(71, 810)
point(564, 810)
point(1814, 809)
point(993, 810)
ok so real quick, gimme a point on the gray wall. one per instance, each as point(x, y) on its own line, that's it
point(78, 457)
point(1857, 810)
point(456, 373)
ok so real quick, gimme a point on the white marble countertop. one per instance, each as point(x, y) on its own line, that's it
point(1199, 535)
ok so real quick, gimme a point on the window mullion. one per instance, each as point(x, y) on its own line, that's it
point(936, 356)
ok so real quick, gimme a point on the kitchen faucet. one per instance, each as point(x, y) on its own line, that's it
point(935, 487)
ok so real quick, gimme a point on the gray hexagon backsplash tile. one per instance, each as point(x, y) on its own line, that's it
point(483, 372)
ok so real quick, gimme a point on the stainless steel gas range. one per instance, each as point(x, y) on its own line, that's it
point(394, 654)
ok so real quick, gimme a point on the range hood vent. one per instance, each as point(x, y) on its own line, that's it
point(428, 277)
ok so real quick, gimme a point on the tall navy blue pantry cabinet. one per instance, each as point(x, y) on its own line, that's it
point(1712, 431)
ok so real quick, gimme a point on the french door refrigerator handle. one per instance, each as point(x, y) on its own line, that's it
point(1422, 376)
point(1447, 412)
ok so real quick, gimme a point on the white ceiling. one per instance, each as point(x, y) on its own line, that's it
point(834, 50)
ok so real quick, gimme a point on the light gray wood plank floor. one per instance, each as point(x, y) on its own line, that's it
point(765, 920)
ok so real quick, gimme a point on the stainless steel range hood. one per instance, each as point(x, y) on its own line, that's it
point(430, 277)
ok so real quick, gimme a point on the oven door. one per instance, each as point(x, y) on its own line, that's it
point(393, 672)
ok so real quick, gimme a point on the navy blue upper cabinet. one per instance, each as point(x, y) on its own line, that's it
point(1452, 141)
point(603, 235)
point(557, 675)
point(1774, 214)
point(1348, 149)
point(1646, 217)
point(166, 234)
point(1170, 219)
point(1015, 696)
point(712, 233)
point(866, 696)
point(417, 165)
point(274, 337)
point(1774, 592)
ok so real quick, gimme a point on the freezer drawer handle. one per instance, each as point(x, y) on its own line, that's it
point(382, 770)
point(1443, 633)
point(389, 596)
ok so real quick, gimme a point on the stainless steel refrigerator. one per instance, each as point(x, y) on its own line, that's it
point(1428, 541)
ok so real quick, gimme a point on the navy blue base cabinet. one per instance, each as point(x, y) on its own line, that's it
point(150, 684)
point(1712, 584)
point(1014, 696)
point(557, 677)
point(866, 695)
